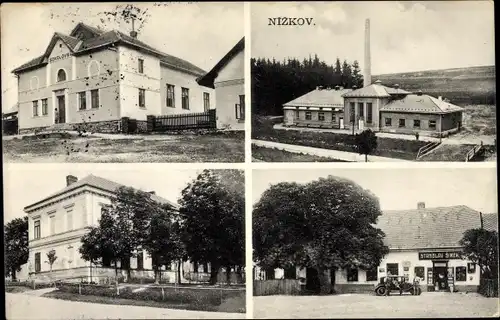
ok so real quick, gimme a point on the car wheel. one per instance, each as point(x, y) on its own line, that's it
point(380, 291)
point(419, 291)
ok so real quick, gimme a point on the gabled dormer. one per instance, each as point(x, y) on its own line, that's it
point(84, 32)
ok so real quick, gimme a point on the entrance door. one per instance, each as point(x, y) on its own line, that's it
point(441, 275)
point(341, 120)
point(312, 280)
point(61, 109)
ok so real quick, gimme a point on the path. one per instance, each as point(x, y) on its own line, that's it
point(27, 307)
point(335, 154)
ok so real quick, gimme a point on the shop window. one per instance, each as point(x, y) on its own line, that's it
point(393, 269)
point(371, 274)
point(416, 123)
point(61, 75)
point(321, 116)
point(352, 274)
point(432, 124)
point(38, 262)
point(460, 274)
point(82, 100)
point(291, 273)
point(308, 115)
point(170, 96)
point(402, 123)
point(45, 108)
point(420, 272)
point(35, 108)
point(388, 122)
point(369, 112)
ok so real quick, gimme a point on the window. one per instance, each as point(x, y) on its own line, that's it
point(321, 116)
point(352, 274)
point(369, 112)
point(45, 109)
point(402, 123)
point(240, 108)
point(308, 115)
point(36, 229)
point(371, 274)
point(140, 261)
point(185, 98)
point(333, 118)
point(52, 220)
point(82, 100)
point(296, 114)
point(69, 220)
point(416, 123)
point(206, 101)
point(420, 272)
point(195, 266)
point(94, 98)
point(205, 267)
point(432, 124)
point(352, 108)
point(38, 264)
point(393, 269)
point(35, 108)
point(270, 275)
point(291, 273)
point(141, 66)
point(170, 96)
point(388, 122)
point(460, 274)
point(142, 98)
point(361, 109)
point(61, 75)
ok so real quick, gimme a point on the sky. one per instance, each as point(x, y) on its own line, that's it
point(405, 36)
point(201, 33)
point(402, 188)
point(25, 184)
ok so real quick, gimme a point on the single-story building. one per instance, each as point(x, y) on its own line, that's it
point(97, 77)
point(423, 243)
point(321, 108)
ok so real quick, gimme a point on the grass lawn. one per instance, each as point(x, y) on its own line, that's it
point(275, 155)
point(448, 152)
point(480, 119)
point(231, 304)
point(17, 289)
point(154, 148)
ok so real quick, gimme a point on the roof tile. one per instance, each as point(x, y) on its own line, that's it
point(421, 104)
point(320, 98)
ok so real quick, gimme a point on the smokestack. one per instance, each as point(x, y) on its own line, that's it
point(481, 220)
point(70, 180)
point(367, 75)
point(421, 205)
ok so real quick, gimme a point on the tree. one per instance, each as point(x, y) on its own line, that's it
point(346, 75)
point(366, 142)
point(324, 224)
point(16, 245)
point(51, 258)
point(212, 208)
point(357, 77)
point(481, 247)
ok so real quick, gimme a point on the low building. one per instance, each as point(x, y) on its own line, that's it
point(321, 108)
point(423, 243)
point(96, 77)
point(227, 77)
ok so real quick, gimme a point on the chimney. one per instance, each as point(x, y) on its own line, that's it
point(133, 34)
point(337, 88)
point(354, 87)
point(419, 92)
point(396, 86)
point(70, 180)
point(440, 98)
point(378, 82)
point(421, 205)
point(367, 75)
point(481, 220)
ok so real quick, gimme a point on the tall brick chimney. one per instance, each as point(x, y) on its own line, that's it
point(367, 74)
point(421, 205)
point(70, 180)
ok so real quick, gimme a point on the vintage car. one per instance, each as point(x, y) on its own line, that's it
point(398, 284)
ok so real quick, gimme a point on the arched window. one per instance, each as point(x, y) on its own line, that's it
point(61, 75)
point(93, 68)
point(34, 83)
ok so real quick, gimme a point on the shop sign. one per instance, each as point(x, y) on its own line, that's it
point(439, 255)
point(61, 57)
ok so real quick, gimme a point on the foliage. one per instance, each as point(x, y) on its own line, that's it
point(212, 208)
point(366, 142)
point(51, 258)
point(481, 247)
point(16, 245)
point(324, 224)
point(277, 82)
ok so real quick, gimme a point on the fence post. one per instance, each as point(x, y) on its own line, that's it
point(80, 288)
point(162, 294)
point(117, 289)
point(212, 118)
point(150, 123)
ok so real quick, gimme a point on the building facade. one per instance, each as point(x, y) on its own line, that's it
point(227, 77)
point(320, 108)
point(97, 77)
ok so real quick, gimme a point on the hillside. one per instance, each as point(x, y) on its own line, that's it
point(473, 85)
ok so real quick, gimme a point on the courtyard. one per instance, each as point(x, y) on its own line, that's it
point(427, 305)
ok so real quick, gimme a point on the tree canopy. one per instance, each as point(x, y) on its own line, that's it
point(481, 247)
point(366, 142)
point(324, 224)
point(16, 245)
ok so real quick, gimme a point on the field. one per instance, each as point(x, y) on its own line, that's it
point(218, 147)
point(275, 155)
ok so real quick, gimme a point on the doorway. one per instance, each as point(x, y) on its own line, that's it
point(61, 109)
point(312, 280)
point(440, 271)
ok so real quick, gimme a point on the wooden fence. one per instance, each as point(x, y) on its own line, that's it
point(10, 126)
point(473, 152)
point(272, 287)
point(174, 122)
point(427, 148)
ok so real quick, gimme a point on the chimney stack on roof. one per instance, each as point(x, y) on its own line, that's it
point(421, 205)
point(133, 34)
point(367, 74)
point(396, 86)
point(70, 180)
point(419, 92)
point(378, 82)
point(440, 98)
point(354, 87)
point(337, 88)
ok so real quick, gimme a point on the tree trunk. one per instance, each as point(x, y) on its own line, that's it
point(214, 271)
point(324, 281)
point(179, 265)
point(157, 280)
point(366, 157)
point(239, 274)
point(228, 275)
point(13, 274)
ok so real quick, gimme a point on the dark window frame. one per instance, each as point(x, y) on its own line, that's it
point(321, 115)
point(308, 115)
point(369, 112)
point(45, 107)
point(140, 66)
point(140, 261)
point(461, 276)
point(35, 108)
point(185, 98)
point(94, 99)
point(170, 99)
point(361, 108)
point(82, 100)
point(37, 229)
point(388, 122)
point(142, 98)
point(38, 262)
point(352, 275)
point(391, 267)
point(59, 75)
point(419, 271)
point(206, 101)
point(240, 108)
point(402, 123)
point(432, 124)
point(372, 274)
point(415, 122)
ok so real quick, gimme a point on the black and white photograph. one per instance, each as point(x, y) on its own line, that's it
point(373, 81)
point(118, 243)
point(123, 82)
point(375, 243)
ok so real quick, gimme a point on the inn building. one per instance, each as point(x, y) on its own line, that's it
point(98, 77)
point(423, 243)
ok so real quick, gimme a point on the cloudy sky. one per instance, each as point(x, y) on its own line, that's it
point(405, 36)
point(198, 32)
point(25, 184)
point(402, 188)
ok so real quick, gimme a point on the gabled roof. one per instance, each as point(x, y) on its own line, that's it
point(208, 79)
point(429, 228)
point(420, 104)
point(320, 98)
point(375, 90)
point(103, 39)
point(99, 183)
point(490, 221)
